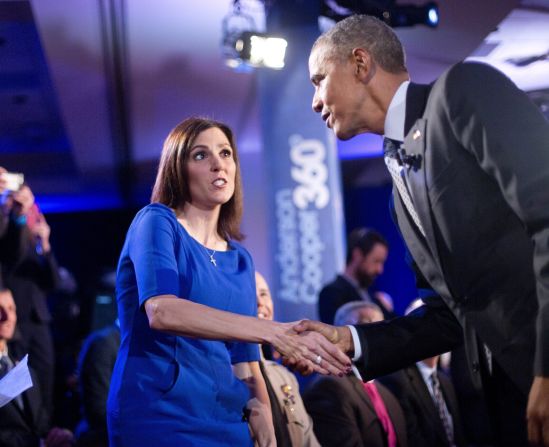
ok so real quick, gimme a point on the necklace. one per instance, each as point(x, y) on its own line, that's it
point(211, 255)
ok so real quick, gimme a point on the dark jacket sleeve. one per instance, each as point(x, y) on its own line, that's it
point(388, 346)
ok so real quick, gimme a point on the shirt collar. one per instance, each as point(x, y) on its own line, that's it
point(396, 114)
point(351, 280)
point(426, 371)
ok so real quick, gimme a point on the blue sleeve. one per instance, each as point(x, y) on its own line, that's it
point(152, 252)
point(246, 352)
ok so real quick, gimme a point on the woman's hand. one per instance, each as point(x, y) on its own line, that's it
point(313, 351)
point(261, 423)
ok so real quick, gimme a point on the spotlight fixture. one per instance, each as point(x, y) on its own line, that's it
point(260, 50)
point(386, 10)
point(410, 15)
point(245, 48)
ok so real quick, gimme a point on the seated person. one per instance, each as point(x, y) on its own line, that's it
point(24, 420)
point(367, 252)
point(95, 366)
point(293, 426)
point(347, 412)
point(428, 400)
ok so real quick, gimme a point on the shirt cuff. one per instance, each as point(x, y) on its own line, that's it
point(358, 351)
point(356, 343)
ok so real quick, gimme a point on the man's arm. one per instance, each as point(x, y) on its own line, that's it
point(388, 346)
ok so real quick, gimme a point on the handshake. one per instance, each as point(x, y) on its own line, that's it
point(310, 346)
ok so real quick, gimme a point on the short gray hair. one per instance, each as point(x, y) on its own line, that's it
point(345, 312)
point(369, 33)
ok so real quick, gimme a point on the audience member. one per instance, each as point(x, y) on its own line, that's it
point(95, 367)
point(31, 272)
point(24, 422)
point(429, 402)
point(367, 251)
point(293, 426)
point(347, 412)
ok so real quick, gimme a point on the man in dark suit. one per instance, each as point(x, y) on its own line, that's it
point(95, 366)
point(471, 199)
point(346, 412)
point(367, 252)
point(429, 402)
point(24, 421)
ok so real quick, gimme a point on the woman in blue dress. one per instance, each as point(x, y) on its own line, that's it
point(185, 375)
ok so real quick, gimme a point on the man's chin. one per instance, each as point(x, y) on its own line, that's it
point(343, 134)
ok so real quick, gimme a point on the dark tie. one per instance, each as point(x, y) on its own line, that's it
point(394, 165)
point(5, 366)
point(381, 412)
point(442, 410)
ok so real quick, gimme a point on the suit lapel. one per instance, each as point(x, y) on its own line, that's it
point(360, 391)
point(414, 144)
point(415, 128)
point(421, 390)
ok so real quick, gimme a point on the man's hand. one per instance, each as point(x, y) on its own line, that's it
point(59, 437)
point(310, 349)
point(537, 412)
point(338, 335)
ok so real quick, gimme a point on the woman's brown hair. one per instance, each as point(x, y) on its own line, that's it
point(171, 187)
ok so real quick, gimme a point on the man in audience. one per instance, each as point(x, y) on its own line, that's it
point(95, 367)
point(24, 421)
point(347, 412)
point(30, 271)
point(429, 402)
point(367, 252)
point(293, 426)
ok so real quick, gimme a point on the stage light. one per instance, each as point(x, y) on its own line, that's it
point(386, 10)
point(260, 50)
point(245, 47)
point(410, 15)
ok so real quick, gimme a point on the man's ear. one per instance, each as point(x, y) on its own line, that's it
point(364, 64)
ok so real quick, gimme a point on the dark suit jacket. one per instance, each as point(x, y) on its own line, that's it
point(337, 293)
point(423, 422)
point(24, 428)
point(343, 414)
point(480, 185)
point(97, 360)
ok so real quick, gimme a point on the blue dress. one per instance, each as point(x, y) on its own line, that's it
point(168, 390)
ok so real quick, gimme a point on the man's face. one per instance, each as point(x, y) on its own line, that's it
point(264, 300)
point(371, 265)
point(339, 94)
point(8, 317)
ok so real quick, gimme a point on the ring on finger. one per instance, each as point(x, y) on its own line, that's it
point(318, 359)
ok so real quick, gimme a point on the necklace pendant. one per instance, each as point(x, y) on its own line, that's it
point(212, 260)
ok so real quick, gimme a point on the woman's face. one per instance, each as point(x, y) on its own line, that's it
point(211, 169)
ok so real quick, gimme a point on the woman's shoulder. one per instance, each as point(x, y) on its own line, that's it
point(155, 214)
point(156, 209)
point(235, 245)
